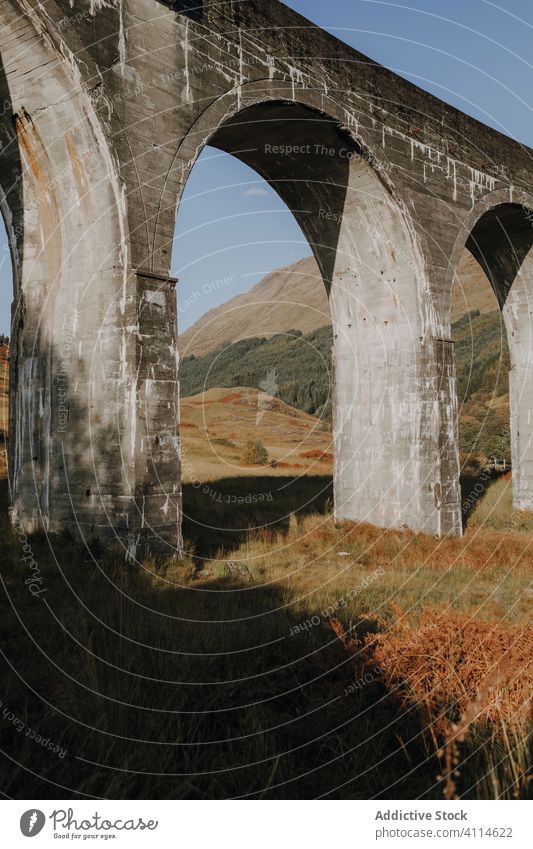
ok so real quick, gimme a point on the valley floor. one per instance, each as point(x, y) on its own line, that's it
point(299, 660)
point(216, 425)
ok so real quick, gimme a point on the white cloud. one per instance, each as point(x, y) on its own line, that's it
point(255, 192)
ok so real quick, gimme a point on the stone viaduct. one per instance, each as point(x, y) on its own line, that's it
point(105, 106)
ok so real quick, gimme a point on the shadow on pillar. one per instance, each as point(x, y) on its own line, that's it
point(193, 9)
point(70, 465)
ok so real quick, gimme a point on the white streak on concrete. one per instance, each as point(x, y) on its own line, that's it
point(451, 170)
point(186, 93)
point(121, 36)
point(297, 78)
point(480, 182)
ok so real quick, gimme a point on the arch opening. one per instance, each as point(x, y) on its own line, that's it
point(482, 378)
point(305, 157)
point(500, 242)
point(388, 465)
point(255, 359)
point(11, 250)
point(493, 364)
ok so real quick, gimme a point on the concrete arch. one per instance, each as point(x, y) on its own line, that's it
point(72, 369)
point(141, 89)
point(237, 101)
point(499, 233)
point(390, 423)
point(511, 196)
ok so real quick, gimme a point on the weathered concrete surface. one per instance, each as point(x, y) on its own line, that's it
point(107, 107)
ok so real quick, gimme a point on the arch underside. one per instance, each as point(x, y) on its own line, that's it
point(502, 242)
point(296, 150)
point(395, 453)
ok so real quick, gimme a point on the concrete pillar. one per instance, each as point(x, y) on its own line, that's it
point(518, 317)
point(396, 457)
point(93, 423)
point(156, 446)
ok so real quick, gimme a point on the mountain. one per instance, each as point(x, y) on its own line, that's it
point(294, 298)
point(294, 367)
point(471, 291)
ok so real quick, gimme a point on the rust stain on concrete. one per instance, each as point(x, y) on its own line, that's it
point(22, 125)
point(77, 170)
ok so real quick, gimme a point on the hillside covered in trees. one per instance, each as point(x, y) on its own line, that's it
point(482, 368)
point(291, 366)
point(296, 367)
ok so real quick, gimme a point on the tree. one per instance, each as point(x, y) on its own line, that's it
point(254, 454)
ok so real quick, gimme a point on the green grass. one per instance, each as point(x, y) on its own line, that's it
point(495, 509)
point(160, 682)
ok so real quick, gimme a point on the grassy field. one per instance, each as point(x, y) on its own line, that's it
point(283, 656)
point(216, 425)
point(301, 660)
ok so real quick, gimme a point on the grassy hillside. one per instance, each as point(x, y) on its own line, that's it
point(296, 368)
point(217, 424)
point(471, 290)
point(294, 296)
point(291, 366)
point(483, 363)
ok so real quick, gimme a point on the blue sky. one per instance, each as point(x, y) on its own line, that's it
point(232, 228)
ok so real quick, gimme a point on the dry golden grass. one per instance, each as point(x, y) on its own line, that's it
point(216, 426)
point(473, 683)
point(444, 627)
point(495, 509)
point(454, 660)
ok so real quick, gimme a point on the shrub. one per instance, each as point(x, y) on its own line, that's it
point(254, 453)
point(470, 465)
